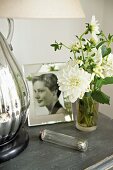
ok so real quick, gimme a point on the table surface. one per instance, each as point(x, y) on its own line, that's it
point(40, 155)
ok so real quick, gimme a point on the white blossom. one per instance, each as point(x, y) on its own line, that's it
point(74, 82)
point(94, 29)
point(98, 70)
point(98, 56)
point(108, 66)
point(105, 69)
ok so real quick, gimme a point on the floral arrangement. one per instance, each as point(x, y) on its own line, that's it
point(90, 66)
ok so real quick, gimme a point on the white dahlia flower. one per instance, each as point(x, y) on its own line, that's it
point(74, 82)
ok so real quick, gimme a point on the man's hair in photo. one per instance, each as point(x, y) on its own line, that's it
point(50, 81)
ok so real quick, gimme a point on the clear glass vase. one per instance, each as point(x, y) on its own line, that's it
point(86, 113)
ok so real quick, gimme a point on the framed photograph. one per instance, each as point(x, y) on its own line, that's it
point(47, 103)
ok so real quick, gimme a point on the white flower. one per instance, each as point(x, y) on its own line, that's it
point(108, 65)
point(98, 70)
point(75, 46)
point(98, 56)
point(95, 25)
point(110, 60)
point(74, 82)
point(94, 38)
point(94, 29)
point(74, 62)
point(106, 68)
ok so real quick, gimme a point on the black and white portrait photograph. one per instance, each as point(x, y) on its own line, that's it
point(48, 104)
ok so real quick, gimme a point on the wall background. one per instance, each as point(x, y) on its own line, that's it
point(32, 38)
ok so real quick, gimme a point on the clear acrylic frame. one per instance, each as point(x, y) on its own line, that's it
point(40, 115)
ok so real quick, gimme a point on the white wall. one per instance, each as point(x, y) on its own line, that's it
point(32, 38)
point(108, 28)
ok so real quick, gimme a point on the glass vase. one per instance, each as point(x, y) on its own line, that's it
point(86, 113)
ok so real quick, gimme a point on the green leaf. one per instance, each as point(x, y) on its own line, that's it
point(83, 39)
point(57, 46)
point(29, 78)
point(105, 51)
point(100, 97)
point(107, 80)
point(98, 83)
point(100, 44)
point(110, 37)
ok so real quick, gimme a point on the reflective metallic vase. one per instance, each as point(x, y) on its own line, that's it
point(14, 101)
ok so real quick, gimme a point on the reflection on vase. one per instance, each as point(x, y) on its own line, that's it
point(14, 96)
point(68, 108)
point(86, 113)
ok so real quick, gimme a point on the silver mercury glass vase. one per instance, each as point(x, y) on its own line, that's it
point(14, 101)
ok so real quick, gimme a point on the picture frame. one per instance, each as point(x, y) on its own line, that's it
point(39, 114)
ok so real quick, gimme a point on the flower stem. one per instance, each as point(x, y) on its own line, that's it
point(107, 41)
point(80, 39)
point(66, 46)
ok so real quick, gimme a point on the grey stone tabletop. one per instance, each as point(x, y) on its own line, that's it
point(41, 155)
